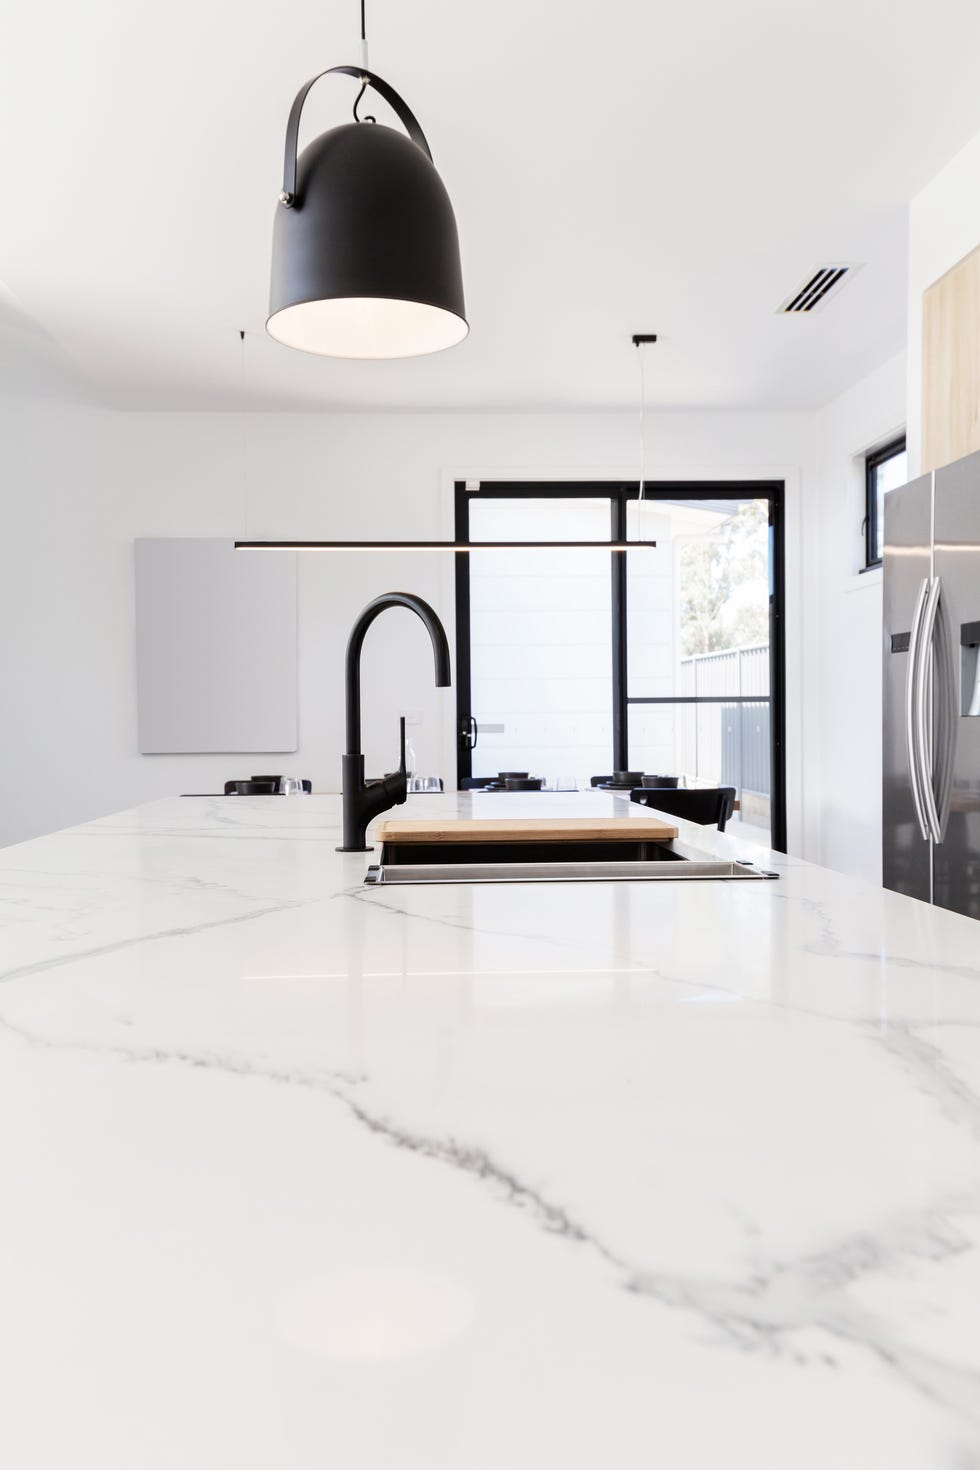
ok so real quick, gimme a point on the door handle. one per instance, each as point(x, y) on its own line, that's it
point(469, 732)
point(935, 755)
point(912, 708)
point(923, 708)
point(947, 715)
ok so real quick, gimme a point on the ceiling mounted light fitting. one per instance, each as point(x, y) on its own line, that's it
point(365, 252)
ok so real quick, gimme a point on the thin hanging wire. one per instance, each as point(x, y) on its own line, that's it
point(243, 410)
point(364, 63)
point(643, 405)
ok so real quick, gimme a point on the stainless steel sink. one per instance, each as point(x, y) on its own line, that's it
point(553, 862)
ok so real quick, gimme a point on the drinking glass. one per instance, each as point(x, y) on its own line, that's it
point(291, 786)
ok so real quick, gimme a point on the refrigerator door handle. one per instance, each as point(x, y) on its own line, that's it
point(947, 715)
point(924, 710)
point(912, 723)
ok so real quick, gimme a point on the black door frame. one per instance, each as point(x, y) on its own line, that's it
point(619, 494)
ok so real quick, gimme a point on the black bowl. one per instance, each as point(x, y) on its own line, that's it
point(627, 778)
point(524, 783)
point(513, 775)
point(650, 783)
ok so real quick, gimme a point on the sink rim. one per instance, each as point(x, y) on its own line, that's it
point(685, 864)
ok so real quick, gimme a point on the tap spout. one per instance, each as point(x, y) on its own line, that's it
point(363, 800)
point(440, 653)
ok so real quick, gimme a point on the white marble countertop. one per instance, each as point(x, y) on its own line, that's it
point(297, 1174)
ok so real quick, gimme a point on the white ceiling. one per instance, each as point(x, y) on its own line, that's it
point(614, 168)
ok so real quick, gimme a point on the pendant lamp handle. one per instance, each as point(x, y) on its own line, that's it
point(396, 103)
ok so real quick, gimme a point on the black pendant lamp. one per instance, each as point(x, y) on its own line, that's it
point(365, 254)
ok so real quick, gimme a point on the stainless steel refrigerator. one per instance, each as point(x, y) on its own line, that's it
point(931, 688)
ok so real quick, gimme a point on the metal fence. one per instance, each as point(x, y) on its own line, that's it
point(720, 743)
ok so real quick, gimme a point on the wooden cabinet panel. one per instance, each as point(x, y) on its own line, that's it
point(951, 365)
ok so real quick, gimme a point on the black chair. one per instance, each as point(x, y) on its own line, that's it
point(706, 805)
point(474, 783)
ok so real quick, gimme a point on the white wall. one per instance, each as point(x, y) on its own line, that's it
point(79, 485)
point(944, 226)
point(846, 624)
point(62, 626)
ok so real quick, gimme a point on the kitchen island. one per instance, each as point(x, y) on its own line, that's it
point(297, 1173)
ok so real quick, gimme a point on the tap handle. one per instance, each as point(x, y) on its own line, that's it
point(396, 782)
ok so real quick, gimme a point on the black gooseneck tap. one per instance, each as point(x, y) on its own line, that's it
point(363, 800)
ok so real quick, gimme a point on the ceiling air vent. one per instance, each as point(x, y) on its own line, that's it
point(818, 288)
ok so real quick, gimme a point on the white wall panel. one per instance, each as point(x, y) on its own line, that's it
point(216, 647)
point(844, 645)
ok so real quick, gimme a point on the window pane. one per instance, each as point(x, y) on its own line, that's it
point(541, 640)
point(709, 745)
point(698, 605)
point(704, 744)
point(888, 475)
point(698, 627)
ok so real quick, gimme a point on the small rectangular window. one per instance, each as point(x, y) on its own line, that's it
point(885, 470)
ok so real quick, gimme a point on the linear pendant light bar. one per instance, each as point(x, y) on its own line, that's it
point(456, 546)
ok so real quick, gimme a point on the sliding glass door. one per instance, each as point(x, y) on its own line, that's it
point(669, 660)
point(699, 630)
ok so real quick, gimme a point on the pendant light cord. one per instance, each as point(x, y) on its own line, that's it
point(364, 63)
point(643, 403)
point(244, 413)
point(640, 340)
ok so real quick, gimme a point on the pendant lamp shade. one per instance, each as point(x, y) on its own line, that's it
point(365, 253)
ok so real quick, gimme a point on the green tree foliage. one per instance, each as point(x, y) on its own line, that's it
point(713, 571)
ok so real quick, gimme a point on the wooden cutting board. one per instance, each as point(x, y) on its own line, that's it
point(527, 829)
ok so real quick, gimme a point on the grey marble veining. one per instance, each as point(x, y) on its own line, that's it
point(298, 1172)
